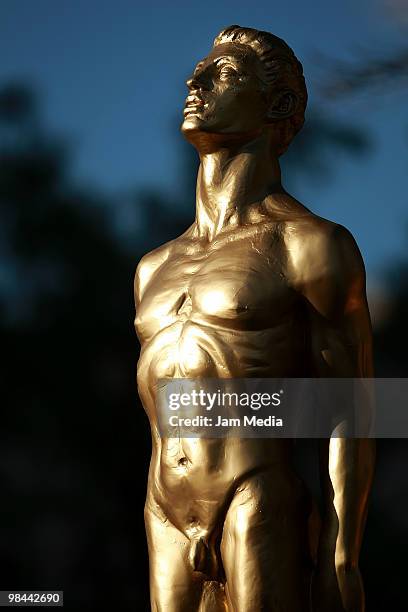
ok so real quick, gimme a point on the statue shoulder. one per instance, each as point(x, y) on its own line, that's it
point(319, 250)
point(148, 265)
point(152, 261)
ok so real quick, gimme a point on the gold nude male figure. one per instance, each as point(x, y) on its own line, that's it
point(261, 287)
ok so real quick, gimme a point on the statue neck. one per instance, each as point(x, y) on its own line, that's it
point(231, 181)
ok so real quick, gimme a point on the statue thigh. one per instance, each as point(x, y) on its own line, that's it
point(265, 549)
point(174, 586)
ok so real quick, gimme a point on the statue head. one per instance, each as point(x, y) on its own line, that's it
point(250, 82)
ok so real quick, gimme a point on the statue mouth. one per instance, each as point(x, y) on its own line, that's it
point(194, 104)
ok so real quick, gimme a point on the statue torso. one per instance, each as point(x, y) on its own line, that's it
point(224, 309)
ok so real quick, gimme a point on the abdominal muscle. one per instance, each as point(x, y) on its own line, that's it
point(192, 480)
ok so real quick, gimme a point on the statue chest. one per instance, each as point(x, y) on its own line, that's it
point(238, 286)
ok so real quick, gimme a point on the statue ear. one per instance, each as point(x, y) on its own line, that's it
point(282, 106)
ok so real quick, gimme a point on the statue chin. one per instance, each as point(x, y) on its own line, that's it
point(194, 123)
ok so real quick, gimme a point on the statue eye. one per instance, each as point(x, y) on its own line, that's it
point(228, 71)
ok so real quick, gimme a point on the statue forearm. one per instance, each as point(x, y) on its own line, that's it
point(350, 470)
point(347, 466)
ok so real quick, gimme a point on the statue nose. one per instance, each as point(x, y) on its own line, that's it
point(199, 80)
point(193, 83)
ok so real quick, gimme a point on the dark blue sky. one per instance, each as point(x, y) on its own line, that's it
point(111, 74)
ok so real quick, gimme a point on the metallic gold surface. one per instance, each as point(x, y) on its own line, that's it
point(258, 286)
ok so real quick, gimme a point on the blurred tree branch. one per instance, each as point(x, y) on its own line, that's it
point(353, 77)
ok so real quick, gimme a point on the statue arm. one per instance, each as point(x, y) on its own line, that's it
point(341, 346)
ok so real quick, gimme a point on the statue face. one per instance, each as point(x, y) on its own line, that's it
point(227, 93)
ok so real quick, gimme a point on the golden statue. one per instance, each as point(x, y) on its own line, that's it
point(258, 286)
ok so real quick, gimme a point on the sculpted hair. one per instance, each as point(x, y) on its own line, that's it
point(282, 69)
